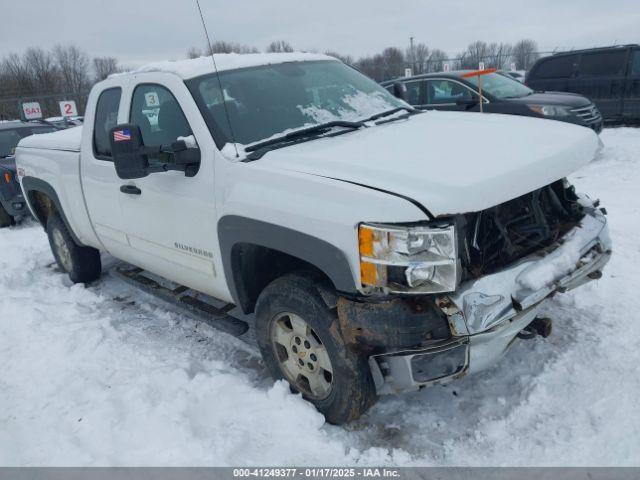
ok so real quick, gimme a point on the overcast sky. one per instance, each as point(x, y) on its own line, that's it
point(139, 31)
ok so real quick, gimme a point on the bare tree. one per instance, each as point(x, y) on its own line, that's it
point(194, 52)
point(42, 69)
point(393, 63)
point(417, 57)
point(499, 55)
point(279, 46)
point(73, 64)
point(525, 53)
point(221, 46)
point(104, 66)
point(436, 61)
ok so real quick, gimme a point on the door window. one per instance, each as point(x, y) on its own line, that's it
point(635, 63)
point(414, 96)
point(158, 114)
point(106, 119)
point(603, 63)
point(556, 67)
point(440, 92)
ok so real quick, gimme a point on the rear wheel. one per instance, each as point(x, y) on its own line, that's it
point(300, 341)
point(81, 263)
point(6, 220)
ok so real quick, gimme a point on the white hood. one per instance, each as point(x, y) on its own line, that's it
point(449, 162)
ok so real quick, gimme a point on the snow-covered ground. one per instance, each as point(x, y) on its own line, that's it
point(108, 376)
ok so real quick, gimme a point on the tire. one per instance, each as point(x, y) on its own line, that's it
point(6, 220)
point(335, 378)
point(81, 263)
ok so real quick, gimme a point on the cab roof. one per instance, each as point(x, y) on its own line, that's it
point(196, 67)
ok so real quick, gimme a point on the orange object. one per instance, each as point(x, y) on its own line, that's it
point(477, 73)
point(7, 177)
point(365, 240)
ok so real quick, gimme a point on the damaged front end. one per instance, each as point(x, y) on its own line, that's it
point(511, 257)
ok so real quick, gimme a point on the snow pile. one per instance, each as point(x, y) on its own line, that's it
point(360, 106)
point(68, 140)
point(224, 61)
point(107, 376)
point(558, 263)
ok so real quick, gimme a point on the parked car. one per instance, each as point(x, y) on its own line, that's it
point(519, 75)
point(65, 122)
point(296, 188)
point(501, 94)
point(12, 203)
point(608, 76)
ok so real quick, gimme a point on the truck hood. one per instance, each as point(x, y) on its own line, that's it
point(564, 99)
point(449, 162)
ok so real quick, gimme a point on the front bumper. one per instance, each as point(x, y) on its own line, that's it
point(15, 205)
point(485, 315)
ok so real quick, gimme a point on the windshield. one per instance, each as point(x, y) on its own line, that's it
point(501, 86)
point(271, 100)
point(9, 138)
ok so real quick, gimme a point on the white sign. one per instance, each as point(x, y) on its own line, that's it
point(68, 108)
point(152, 99)
point(513, 66)
point(447, 67)
point(481, 66)
point(407, 72)
point(31, 110)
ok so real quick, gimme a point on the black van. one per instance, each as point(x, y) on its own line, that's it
point(609, 76)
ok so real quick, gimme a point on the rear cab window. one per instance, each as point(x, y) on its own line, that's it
point(106, 119)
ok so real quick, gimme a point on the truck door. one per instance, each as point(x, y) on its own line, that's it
point(631, 102)
point(601, 78)
point(98, 176)
point(170, 219)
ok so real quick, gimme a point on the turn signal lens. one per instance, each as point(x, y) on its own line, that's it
point(7, 177)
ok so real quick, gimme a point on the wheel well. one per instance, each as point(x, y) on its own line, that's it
point(254, 267)
point(42, 205)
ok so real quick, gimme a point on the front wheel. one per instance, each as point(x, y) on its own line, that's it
point(6, 220)
point(81, 263)
point(300, 341)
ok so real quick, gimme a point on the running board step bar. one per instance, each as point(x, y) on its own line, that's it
point(183, 297)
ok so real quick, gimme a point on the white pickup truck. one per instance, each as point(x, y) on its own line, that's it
point(381, 249)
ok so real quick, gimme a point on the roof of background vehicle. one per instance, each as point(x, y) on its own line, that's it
point(594, 49)
point(13, 124)
point(196, 67)
point(451, 73)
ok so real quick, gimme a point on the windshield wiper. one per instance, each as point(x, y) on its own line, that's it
point(259, 149)
point(386, 113)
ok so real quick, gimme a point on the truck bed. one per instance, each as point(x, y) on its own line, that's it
point(54, 158)
point(66, 140)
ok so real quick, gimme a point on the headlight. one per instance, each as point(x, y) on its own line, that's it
point(550, 110)
point(416, 259)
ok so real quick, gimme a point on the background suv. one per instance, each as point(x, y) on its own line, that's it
point(501, 94)
point(609, 76)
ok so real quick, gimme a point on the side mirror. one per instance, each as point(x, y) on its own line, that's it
point(127, 149)
point(400, 91)
point(186, 156)
point(468, 102)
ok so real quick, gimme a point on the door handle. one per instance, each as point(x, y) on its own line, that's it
point(130, 190)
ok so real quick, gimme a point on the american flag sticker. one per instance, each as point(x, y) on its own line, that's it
point(121, 135)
